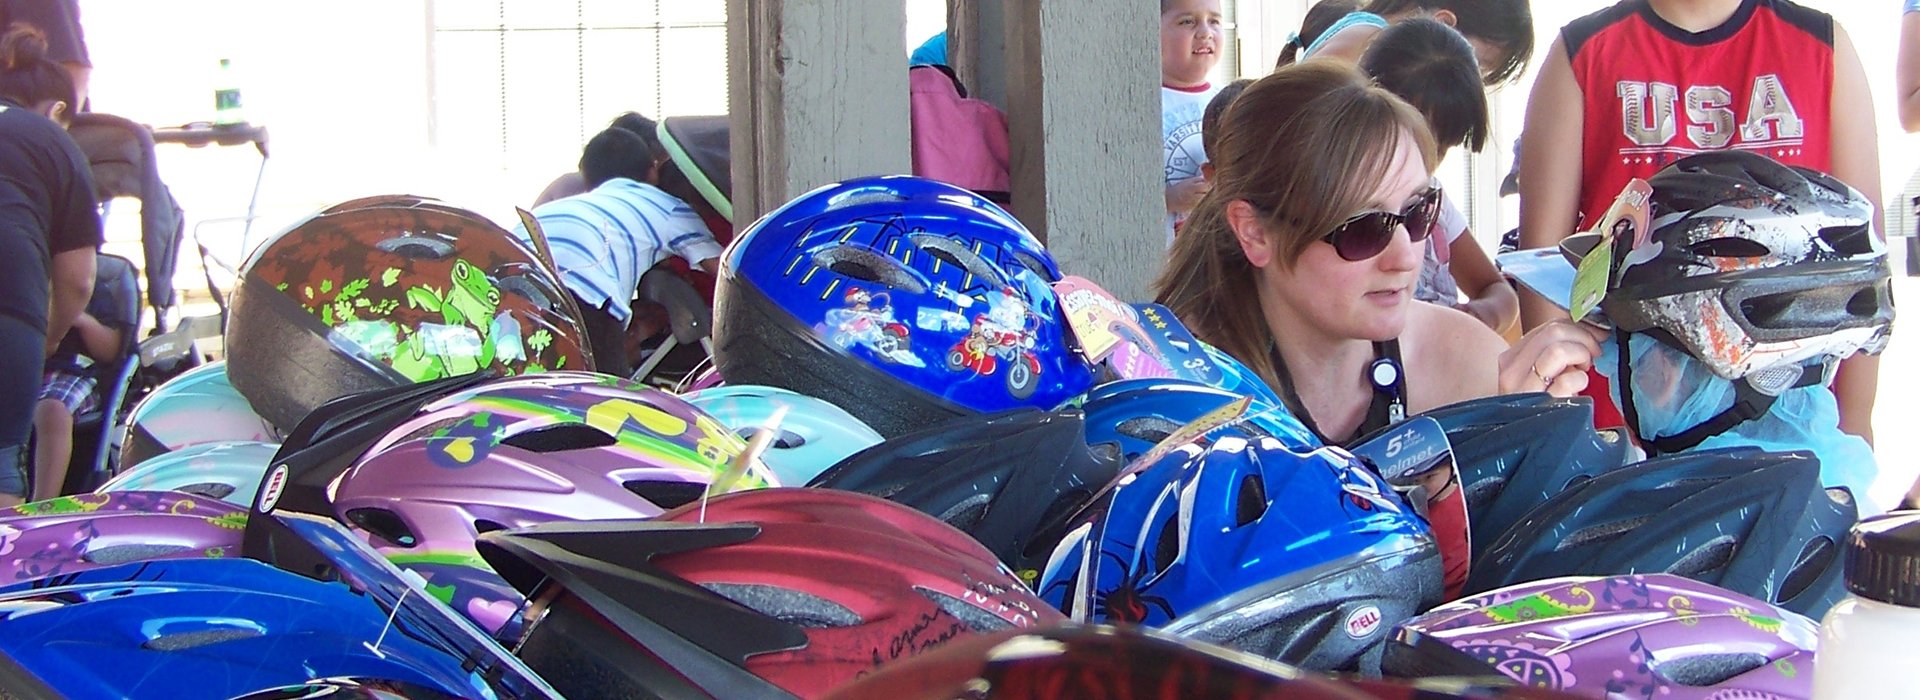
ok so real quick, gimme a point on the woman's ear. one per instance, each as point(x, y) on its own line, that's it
point(55, 110)
point(1446, 17)
point(1251, 232)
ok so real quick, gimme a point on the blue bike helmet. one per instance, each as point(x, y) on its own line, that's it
point(902, 300)
point(1128, 417)
point(1751, 521)
point(1515, 452)
point(214, 628)
point(1237, 377)
point(1306, 558)
point(814, 434)
point(229, 471)
point(200, 406)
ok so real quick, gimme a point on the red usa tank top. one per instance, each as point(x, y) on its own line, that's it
point(1654, 93)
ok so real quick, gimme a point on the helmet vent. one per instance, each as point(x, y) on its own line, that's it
point(956, 253)
point(667, 494)
point(384, 524)
point(967, 514)
point(1865, 303)
point(1815, 559)
point(793, 607)
point(1729, 247)
point(121, 554)
point(1709, 670)
point(1848, 240)
point(1033, 265)
point(1252, 502)
point(417, 247)
point(1151, 429)
point(483, 526)
point(1601, 533)
point(561, 438)
point(867, 266)
point(1706, 558)
point(1166, 548)
point(782, 440)
point(1482, 492)
point(1772, 310)
point(183, 641)
point(973, 616)
point(208, 489)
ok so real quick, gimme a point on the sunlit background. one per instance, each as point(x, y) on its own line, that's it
point(482, 102)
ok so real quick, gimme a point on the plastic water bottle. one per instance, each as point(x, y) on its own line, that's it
point(1868, 640)
point(226, 97)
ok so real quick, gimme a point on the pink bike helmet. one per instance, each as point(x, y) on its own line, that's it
point(514, 452)
point(794, 590)
point(72, 534)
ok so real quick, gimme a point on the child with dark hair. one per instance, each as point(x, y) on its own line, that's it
point(1431, 66)
point(1190, 37)
point(1500, 31)
point(49, 229)
point(1210, 120)
point(604, 239)
point(1319, 19)
point(573, 183)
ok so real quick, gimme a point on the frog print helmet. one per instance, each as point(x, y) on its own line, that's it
point(355, 299)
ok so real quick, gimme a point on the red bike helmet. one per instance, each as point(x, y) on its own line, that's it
point(753, 594)
point(380, 296)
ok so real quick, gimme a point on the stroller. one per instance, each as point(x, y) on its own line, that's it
point(121, 155)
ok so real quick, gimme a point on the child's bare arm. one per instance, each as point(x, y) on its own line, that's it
point(100, 341)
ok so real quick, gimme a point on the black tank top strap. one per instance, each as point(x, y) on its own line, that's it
point(1384, 374)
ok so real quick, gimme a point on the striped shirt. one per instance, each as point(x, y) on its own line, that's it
point(603, 240)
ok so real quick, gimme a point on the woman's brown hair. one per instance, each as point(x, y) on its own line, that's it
point(27, 76)
point(1306, 147)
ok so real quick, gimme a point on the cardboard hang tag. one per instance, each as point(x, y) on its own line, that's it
point(1623, 229)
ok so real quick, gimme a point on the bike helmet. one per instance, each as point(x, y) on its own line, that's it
point(1301, 557)
point(1754, 265)
point(1653, 635)
point(1090, 661)
point(523, 450)
point(229, 471)
point(1754, 522)
point(1011, 479)
point(756, 594)
point(1468, 419)
point(903, 300)
point(382, 296)
point(348, 689)
point(1506, 470)
point(215, 628)
point(200, 406)
point(1765, 273)
point(1127, 418)
point(813, 434)
point(75, 533)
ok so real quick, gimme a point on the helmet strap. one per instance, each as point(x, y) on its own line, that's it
point(1748, 403)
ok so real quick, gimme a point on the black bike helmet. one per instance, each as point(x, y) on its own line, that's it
point(1744, 519)
point(1469, 418)
point(1765, 273)
point(1010, 479)
point(1507, 470)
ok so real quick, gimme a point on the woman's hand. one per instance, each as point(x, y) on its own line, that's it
point(1553, 358)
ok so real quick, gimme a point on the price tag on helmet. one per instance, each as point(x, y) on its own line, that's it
point(1177, 348)
point(1621, 230)
point(1098, 319)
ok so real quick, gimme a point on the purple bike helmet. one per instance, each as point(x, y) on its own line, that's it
point(515, 452)
point(902, 300)
point(198, 407)
point(71, 534)
point(1653, 635)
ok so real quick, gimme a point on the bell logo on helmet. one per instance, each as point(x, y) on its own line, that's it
point(270, 493)
point(1362, 623)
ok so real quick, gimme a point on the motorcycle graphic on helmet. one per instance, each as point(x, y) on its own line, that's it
point(867, 321)
point(1004, 334)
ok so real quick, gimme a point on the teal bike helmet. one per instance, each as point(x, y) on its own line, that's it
point(814, 434)
point(229, 471)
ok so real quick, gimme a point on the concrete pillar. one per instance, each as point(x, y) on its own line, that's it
point(817, 93)
point(1083, 104)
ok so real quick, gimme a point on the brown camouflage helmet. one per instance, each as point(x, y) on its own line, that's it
point(355, 299)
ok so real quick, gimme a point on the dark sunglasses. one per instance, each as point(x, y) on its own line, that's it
point(1365, 235)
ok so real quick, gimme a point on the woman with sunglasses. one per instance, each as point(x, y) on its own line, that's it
point(1301, 263)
